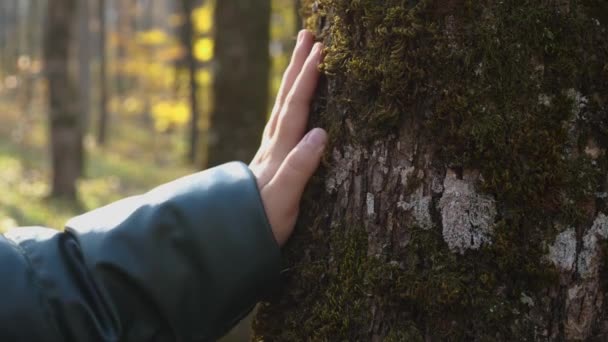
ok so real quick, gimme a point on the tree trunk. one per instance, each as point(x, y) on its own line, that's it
point(84, 60)
point(3, 40)
point(65, 120)
point(31, 50)
point(464, 192)
point(124, 13)
point(8, 11)
point(241, 79)
point(187, 36)
point(102, 128)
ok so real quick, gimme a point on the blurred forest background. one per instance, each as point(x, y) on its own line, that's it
point(102, 99)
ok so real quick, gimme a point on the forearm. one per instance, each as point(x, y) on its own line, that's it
point(185, 261)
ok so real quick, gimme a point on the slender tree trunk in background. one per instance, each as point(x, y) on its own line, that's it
point(144, 23)
point(65, 125)
point(187, 35)
point(84, 60)
point(102, 128)
point(124, 28)
point(31, 50)
point(241, 79)
point(13, 46)
point(464, 193)
point(8, 41)
point(29, 75)
point(3, 40)
point(19, 30)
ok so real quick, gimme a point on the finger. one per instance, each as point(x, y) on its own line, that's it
point(285, 190)
point(294, 114)
point(301, 52)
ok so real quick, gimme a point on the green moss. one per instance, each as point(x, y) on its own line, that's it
point(429, 283)
point(405, 331)
point(373, 52)
point(496, 121)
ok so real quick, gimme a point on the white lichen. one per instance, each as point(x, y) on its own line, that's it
point(592, 150)
point(579, 101)
point(467, 217)
point(479, 69)
point(344, 164)
point(527, 300)
point(545, 100)
point(420, 208)
point(584, 299)
point(422, 212)
point(437, 184)
point(601, 195)
point(589, 260)
point(370, 201)
point(405, 174)
point(563, 251)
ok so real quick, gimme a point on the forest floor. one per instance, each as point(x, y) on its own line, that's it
point(135, 160)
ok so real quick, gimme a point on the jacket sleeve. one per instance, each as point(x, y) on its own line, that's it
point(184, 262)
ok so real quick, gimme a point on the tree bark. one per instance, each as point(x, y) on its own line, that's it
point(65, 121)
point(463, 196)
point(241, 79)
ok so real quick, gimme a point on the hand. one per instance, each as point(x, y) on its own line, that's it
point(286, 161)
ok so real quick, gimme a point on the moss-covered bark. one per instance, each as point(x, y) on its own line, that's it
point(464, 194)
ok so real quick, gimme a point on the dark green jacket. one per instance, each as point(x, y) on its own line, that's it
point(184, 262)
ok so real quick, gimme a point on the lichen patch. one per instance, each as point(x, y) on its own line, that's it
point(589, 260)
point(370, 203)
point(467, 217)
point(563, 251)
point(345, 163)
point(420, 208)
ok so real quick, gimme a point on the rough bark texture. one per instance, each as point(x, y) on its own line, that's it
point(463, 196)
point(65, 121)
point(241, 79)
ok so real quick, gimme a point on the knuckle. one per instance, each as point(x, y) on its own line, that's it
point(288, 126)
point(296, 100)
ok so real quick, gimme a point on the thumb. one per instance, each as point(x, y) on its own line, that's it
point(285, 190)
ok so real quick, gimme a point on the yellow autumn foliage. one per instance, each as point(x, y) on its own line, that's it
point(203, 18)
point(153, 37)
point(204, 77)
point(168, 114)
point(203, 49)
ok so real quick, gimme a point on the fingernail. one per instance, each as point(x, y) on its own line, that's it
point(316, 138)
point(317, 48)
point(301, 35)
